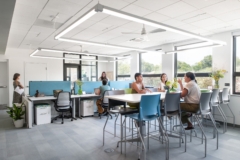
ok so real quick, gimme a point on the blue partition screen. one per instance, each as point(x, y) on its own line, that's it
point(119, 84)
point(88, 87)
point(47, 87)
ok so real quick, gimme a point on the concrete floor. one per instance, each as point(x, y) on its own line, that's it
point(82, 140)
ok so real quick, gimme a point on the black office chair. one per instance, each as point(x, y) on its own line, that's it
point(63, 104)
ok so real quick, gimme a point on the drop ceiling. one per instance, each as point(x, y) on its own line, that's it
point(33, 22)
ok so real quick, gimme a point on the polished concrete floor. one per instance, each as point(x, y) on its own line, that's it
point(82, 140)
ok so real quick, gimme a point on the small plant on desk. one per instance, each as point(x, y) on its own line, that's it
point(79, 83)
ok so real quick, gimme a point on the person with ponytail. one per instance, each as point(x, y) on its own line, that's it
point(191, 93)
point(163, 82)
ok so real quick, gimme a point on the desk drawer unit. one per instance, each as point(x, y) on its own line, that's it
point(86, 108)
point(43, 114)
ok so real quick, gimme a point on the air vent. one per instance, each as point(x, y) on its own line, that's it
point(47, 24)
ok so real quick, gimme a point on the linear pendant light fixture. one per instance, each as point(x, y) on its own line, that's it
point(77, 59)
point(131, 17)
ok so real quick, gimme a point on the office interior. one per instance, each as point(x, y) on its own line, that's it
point(62, 41)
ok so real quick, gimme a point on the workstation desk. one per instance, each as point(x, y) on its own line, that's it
point(33, 100)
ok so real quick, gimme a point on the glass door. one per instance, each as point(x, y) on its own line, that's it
point(71, 74)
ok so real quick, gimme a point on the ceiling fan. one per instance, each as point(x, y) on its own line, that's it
point(143, 33)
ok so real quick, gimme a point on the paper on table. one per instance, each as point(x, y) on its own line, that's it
point(19, 90)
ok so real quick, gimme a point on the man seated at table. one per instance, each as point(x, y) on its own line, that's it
point(138, 87)
point(101, 91)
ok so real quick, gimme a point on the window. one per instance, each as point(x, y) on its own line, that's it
point(236, 65)
point(123, 69)
point(151, 68)
point(198, 61)
point(85, 70)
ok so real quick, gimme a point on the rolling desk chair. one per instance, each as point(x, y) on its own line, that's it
point(63, 104)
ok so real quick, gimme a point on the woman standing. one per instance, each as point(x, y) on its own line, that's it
point(191, 94)
point(103, 76)
point(17, 98)
point(163, 79)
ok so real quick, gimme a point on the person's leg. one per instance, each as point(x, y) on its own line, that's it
point(188, 107)
point(99, 105)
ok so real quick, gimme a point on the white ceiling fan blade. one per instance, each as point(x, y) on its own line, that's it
point(157, 31)
point(130, 33)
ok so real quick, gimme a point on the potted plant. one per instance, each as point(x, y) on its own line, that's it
point(172, 85)
point(16, 114)
point(79, 83)
point(216, 75)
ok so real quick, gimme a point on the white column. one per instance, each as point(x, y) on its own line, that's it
point(134, 64)
point(168, 61)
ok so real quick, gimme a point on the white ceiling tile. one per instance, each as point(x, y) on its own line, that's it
point(193, 16)
point(114, 21)
point(235, 22)
point(206, 22)
point(79, 2)
point(38, 29)
point(49, 43)
point(136, 10)
point(154, 5)
point(98, 17)
point(156, 17)
point(202, 3)
point(176, 9)
point(50, 15)
point(27, 11)
point(229, 16)
point(64, 7)
point(222, 7)
point(137, 26)
point(129, 1)
point(174, 22)
point(119, 4)
point(23, 19)
point(80, 28)
point(86, 34)
point(35, 3)
point(217, 26)
point(119, 39)
point(188, 27)
point(20, 26)
point(99, 26)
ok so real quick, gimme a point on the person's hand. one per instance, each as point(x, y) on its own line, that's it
point(179, 81)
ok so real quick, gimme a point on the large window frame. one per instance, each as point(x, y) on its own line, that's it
point(123, 75)
point(79, 66)
point(204, 74)
point(147, 75)
point(235, 73)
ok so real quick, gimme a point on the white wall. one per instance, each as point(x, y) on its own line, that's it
point(16, 59)
point(222, 57)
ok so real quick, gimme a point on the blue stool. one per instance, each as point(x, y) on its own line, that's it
point(149, 110)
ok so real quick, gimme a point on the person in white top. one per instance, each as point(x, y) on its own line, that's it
point(191, 93)
point(163, 79)
point(103, 76)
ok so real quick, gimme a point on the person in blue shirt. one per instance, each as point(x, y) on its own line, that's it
point(101, 91)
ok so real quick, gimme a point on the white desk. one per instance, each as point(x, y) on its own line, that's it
point(133, 98)
point(49, 98)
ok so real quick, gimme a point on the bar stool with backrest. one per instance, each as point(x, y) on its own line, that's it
point(215, 103)
point(225, 99)
point(63, 104)
point(205, 110)
point(171, 109)
point(149, 110)
point(112, 110)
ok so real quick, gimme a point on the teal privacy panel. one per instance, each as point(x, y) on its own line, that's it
point(119, 84)
point(47, 87)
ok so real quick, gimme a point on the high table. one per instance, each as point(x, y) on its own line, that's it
point(131, 98)
point(32, 100)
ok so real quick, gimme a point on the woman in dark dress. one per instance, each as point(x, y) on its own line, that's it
point(17, 98)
